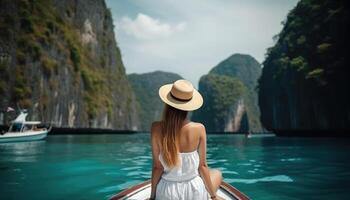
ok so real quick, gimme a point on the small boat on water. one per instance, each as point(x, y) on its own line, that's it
point(142, 191)
point(21, 130)
point(250, 134)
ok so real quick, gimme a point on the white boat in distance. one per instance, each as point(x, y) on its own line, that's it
point(21, 130)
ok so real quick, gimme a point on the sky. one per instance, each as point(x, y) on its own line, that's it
point(190, 37)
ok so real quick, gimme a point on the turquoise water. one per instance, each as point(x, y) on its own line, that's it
point(98, 166)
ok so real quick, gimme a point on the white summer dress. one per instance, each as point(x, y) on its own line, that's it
point(182, 182)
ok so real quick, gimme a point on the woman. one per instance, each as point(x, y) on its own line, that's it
point(180, 169)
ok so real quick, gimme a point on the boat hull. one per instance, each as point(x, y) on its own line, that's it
point(22, 137)
point(143, 190)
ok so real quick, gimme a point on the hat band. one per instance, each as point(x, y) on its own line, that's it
point(178, 99)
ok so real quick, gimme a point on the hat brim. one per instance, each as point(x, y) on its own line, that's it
point(193, 104)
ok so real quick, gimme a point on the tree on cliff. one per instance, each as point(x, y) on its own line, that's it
point(230, 98)
point(305, 84)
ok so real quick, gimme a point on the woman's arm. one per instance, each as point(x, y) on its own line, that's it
point(203, 166)
point(157, 168)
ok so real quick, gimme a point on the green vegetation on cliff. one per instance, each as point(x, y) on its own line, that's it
point(64, 56)
point(146, 90)
point(305, 80)
point(242, 66)
point(241, 112)
point(221, 94)
point(40, 26)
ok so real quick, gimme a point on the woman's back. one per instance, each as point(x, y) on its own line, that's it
point(188, 154)
point(189, 136)
point(183, 181)
point(179, 168)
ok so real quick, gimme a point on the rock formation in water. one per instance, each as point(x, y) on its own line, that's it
point(305, 81)
point(146, 90)
point(59, 59)
point(230, 98)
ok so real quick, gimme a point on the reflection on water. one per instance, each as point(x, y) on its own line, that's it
point(22, 151)
point(96, 167)
point(277, 178)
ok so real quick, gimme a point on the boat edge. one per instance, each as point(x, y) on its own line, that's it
point(127, 192)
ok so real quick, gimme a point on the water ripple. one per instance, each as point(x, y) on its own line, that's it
point(131, 168)
point(229, 172)
point(277, 178)
point(289, 159)
point(244, 164)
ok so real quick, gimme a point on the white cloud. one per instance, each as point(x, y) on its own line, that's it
point(213, 30)
point(145, 27)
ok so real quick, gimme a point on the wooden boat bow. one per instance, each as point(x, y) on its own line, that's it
point(132, 192)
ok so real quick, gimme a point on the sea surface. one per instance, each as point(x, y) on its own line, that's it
point(98, 166)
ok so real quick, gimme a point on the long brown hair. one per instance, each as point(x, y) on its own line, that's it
point(172, 121)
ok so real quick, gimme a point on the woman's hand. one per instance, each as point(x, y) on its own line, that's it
point(219, 198)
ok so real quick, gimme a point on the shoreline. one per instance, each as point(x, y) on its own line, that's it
point(279, 133)
point(80, 131)
point(87, 131)
point(341, 133)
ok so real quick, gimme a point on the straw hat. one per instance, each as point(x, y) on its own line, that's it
point(181, 95)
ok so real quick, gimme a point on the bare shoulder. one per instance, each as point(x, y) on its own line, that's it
point(198, 127)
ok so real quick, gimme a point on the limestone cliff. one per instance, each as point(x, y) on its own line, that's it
point(59, 59)
point(146, 90)
point(305, 81)
point(230, 98)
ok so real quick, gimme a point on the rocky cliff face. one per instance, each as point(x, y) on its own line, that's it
point(305, 84)
point(146, 90)
point(59, 59)
point(230, 98)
